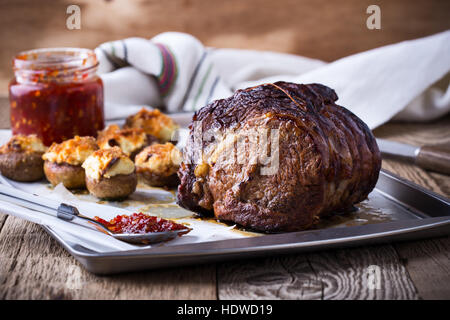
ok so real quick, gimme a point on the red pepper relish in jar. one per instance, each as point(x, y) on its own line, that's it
point(56, 94)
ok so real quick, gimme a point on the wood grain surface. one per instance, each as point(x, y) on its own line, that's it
point(34, 266)
point(319, 29)
point(337, 274)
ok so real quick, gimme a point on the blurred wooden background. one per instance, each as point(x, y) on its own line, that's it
point(320, 29)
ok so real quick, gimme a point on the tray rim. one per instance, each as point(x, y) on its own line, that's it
point(421, 224)
point(414, 185)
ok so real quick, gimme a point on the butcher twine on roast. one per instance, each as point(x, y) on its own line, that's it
point(326, 158)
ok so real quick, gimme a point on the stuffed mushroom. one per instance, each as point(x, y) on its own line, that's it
point(131, 141)
point(153, 122)
point(21, 158)
point(157, 165)
point(110, 174)
point(63, 161)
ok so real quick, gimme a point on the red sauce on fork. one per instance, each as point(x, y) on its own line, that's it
point(139, 223)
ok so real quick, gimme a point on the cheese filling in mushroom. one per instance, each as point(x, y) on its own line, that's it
point(108, 163)
point(73, 151)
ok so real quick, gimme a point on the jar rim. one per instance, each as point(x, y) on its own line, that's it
point(54, 57)
point(54, 63)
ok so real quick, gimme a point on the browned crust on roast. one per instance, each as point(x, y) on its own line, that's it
point(115, 188)
point(71, 176)
point(22, 166)
point(329, 159)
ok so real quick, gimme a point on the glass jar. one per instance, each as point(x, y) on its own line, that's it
point(56, 94)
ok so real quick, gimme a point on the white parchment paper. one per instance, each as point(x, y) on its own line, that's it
point(149, 200)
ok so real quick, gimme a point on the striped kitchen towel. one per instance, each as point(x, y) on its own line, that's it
point(175, 72)
point(172, 70)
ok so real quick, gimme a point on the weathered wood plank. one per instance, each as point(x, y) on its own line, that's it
point(373, 272)
point(4, 112)
point(416, 175)
point(437, 131)
point(428, 264)
point(34, 266)
point(427, 261)
point(362, 273)
point(290, 277)
point(443, 181)
point(321, 33)
point(3, 218)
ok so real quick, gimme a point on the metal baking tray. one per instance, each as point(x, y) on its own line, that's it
point(414, 213)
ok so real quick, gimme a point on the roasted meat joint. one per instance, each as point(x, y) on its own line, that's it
point(277, 157)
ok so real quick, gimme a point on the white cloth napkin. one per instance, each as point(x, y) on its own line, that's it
point(176, 72)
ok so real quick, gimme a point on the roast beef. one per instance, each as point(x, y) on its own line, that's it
point(310, 158)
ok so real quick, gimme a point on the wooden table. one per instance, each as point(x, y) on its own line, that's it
point(34, 266)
